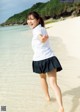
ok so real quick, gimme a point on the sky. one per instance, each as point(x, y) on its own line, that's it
point(10, 7)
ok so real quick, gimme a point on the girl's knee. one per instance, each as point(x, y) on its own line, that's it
point(54, 83)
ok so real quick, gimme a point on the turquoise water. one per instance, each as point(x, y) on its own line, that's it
point(15, 47)
point(14, 28)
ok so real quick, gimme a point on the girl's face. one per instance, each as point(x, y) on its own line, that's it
point(32, 21)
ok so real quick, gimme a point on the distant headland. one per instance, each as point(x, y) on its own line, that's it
point(54, 9)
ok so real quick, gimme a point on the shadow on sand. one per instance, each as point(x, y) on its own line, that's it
point(75, 92)
point(70, 66)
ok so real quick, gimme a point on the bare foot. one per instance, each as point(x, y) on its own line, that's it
point(48, 98)
point(61, 110)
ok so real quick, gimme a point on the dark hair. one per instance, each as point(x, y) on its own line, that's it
point(37, 16)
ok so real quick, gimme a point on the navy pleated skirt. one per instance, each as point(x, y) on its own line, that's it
point(46, 65)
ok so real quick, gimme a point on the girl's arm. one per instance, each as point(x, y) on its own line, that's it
point(43, 38)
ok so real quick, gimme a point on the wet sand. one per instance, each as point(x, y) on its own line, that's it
point(20, 89)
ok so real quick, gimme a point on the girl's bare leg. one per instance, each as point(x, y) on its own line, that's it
point(45, 86)
point(55, 87)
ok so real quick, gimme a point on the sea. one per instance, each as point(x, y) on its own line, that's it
point(20, 88)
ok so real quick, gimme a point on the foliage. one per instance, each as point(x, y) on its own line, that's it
point(50, 9)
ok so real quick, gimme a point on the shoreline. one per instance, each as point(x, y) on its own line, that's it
point(48, 21)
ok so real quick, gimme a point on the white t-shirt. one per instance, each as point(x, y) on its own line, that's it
point(41, 50)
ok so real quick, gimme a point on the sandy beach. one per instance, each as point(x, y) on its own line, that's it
point(20, 89)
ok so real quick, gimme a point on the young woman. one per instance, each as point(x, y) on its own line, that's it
point(44, 60)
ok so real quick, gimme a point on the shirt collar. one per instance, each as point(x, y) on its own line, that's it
point(38, 26)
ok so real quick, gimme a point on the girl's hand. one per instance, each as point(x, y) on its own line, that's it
point(43, 38)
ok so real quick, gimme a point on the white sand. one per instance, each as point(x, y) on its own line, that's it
point(69, 31)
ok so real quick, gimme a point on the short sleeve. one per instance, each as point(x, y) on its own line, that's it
point(42, 31)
